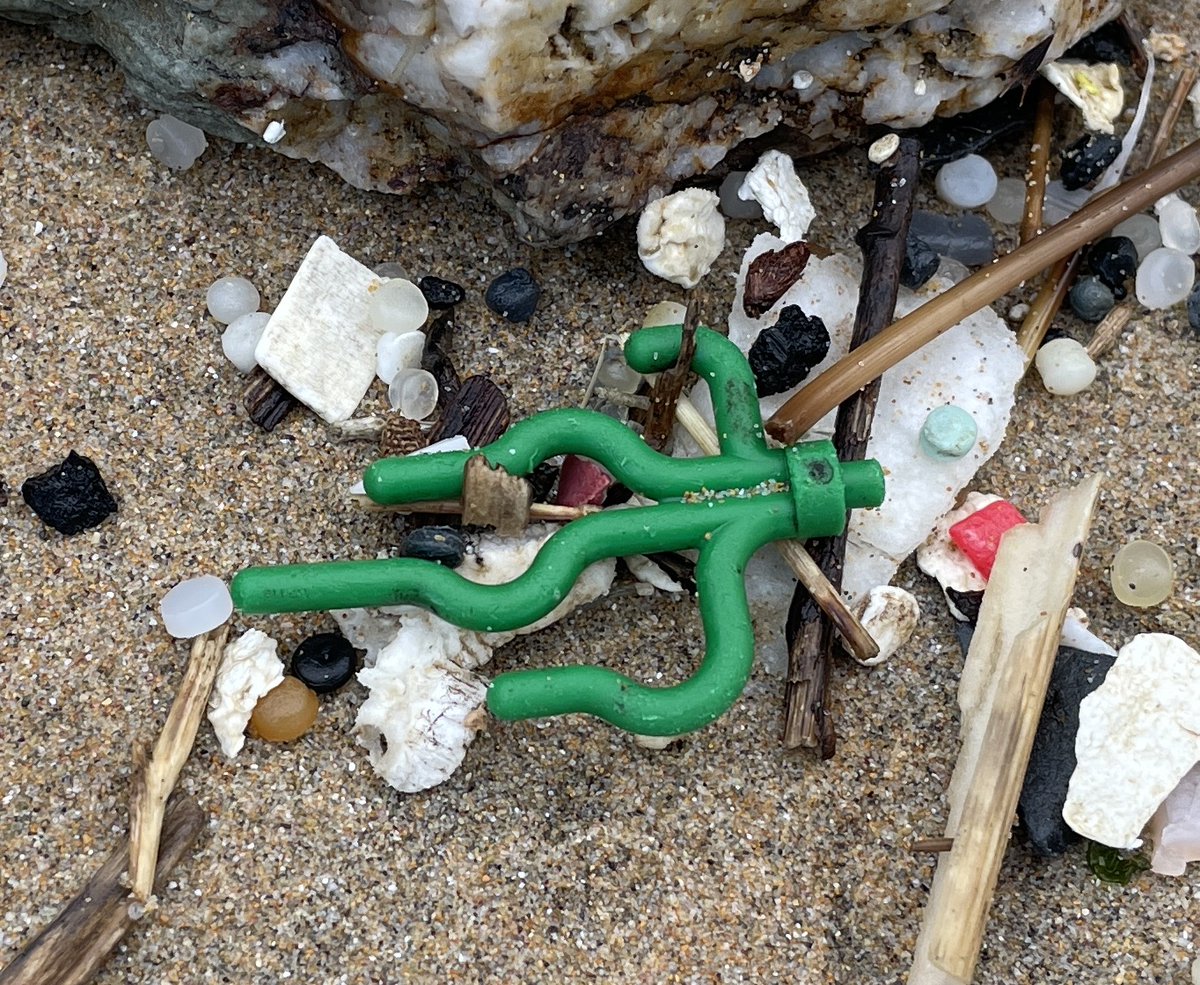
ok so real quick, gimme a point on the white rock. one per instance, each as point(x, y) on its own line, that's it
point(1178, 224)
point(773, 183)
point(1065, 367)
point(1095, 89)
point(966, 183)
point(419, 718)
point(229, 298)
point(318, 344)
point(1164, 278)
point(196, 606)
point(890, 615)
point(883, 148)
point(1175, 828)
point(249, 669)
point(681, 236)
point(396, 351)
point(175, 143)
point(1139, 734)
point(240, 339)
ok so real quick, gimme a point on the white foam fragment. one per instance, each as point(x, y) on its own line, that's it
point(249, 669)
point(680, 236)
point(1139, 734)
point(773, 184)
point(419, 718)
point(890, 615)
point(318, 344)
point(1095, 89)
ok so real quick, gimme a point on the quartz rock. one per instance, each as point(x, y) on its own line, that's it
point(574, 114)
point(1139, 734)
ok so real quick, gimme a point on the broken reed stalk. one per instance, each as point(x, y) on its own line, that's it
point(807, 722)
point(1045, 306)
point(79, 940)
point(910, 333)
point(932, 845)
point(1109, 330)
point(155, 774)
point(1039, 162)
point(1001, 692)
point(1170, 117)
point(538, 512)
point(858, 642)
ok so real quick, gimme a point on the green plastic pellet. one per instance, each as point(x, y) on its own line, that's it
point(948, 433)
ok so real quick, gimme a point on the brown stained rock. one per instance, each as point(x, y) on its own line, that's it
point(771, 274)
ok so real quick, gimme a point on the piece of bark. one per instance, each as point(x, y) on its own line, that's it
point(478, 411)
point(266, 401)
point(155, 773)
point(494, 498)
point(811, 638)
point(659, 420)
point(770, 276)
point(79, 940)
point(1001, 690)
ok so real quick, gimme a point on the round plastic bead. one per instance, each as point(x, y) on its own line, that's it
point(1090, 299)
point(195, 606)
point(396, 352)
point(413, 393)
point(966, 183)
point(324, 662)
point(1065, 367)
point(285, 712)
point(240, 339)
point(948, 433)
point(1164, 278)
point(397, 305)
point(1008, 204)
point(229, 298)
point(1143, 230)
point(1178, 224)
point(1142, 574)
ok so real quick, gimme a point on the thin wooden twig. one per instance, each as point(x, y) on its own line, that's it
point(910, 333)
point(932, 845)
point(154, 774)
point(1170, 117)
point(538, 512)
point(1039, 162)
point(857, 640)
point(659, 420)
point(808, 722)
point(79, 940)
point(1109, 330)
point(1045, 306)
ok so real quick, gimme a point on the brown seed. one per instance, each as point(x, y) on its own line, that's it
point(771, 274)
point(400, 436)
point(285, 712)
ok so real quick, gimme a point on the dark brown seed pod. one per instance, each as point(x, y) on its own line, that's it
point(479, 412)
point(771, 274)
point(266, 401)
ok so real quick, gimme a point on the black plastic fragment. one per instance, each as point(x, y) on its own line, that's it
point(1085, 160)
point(947, 139)
point(441, 294)
point(70, 497)
point(514, 295)
point(1114, 260)
point(1193, 310)
point(921, 262)
point(1108, 43)
point(967, 603)
point(784, 354)
point(324, 661)
point(445, 545)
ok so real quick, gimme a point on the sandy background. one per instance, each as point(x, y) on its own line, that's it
point(561, 851)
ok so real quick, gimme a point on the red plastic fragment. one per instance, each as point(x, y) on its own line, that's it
point(978, 536)
point(581, 482)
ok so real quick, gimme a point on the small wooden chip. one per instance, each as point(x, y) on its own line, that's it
point(478, 411)
point(493, 498)
point(266, 401)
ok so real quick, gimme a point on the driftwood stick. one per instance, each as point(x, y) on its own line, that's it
point(855, 637)
point(807, 720)
point(79, 940)
point(1039, 162)
point(910, 333)
point(1001, 691)
point(154, 774)
point(1046, 304)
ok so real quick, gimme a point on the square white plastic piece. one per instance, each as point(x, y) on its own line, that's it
point(318, 344)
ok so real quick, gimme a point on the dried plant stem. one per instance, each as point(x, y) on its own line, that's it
point(1170, 117)
point(807, 722)
point(932, 845)
point(1039, 162)
point(1045, 306)
point(538, 512)
point(154, 774)
point(856, 639)
point(79, 940)
point(910, 333)
point(1109, 330)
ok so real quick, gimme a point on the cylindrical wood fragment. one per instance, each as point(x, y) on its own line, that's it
point(80, 939)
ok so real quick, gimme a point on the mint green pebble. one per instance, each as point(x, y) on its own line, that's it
point(949, 432)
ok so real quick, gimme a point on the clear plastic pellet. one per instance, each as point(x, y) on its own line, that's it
point(397, 306)
point(1142, 574)
point(966, 183)
point(240, 339)
point(617, 374)
point(229, 298)
point(195, 606)
point(1008, 204)
point(1178, 224)
point(175, 143)
point(396, 352)
point(413, 393)
point(1143, 230)
point(1164, 278)
point(1065, 367)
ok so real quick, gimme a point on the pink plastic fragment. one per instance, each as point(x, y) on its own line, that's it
point(1175, 827)
point(581, 482)
point(978, 536)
